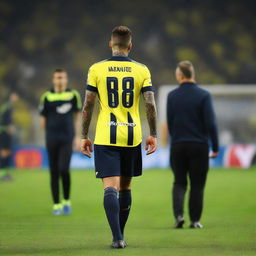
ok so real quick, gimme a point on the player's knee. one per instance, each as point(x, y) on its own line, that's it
point(54, 174)
point(111, 182)
point(198, 190)
point(180, 183)
point(125, 183)
point(113, 186)
point(124, 187)
point(64, 172)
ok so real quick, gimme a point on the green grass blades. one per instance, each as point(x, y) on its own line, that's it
point(27, 226)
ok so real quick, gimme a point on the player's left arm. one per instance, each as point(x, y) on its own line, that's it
point(87, 111)
point(150, 106)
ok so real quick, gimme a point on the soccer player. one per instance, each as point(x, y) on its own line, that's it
point(60, 112)
point(6, 130)
point(191, 123)
point(118, 82)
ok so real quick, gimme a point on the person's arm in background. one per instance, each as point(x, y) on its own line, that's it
point(210, 122)
point(89, 102)
point(77, 106)
point(43, 122)
point(42, 111)
point(150, 106)
point(8, 122)
point(165, 129)
point(164, 134)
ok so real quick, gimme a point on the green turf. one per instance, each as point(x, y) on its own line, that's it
point(27, 226)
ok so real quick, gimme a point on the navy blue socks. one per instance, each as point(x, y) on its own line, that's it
point(111, 205)
point(125, 201)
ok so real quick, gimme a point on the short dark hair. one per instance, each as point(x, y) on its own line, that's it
point(121, 36)
point(60, 70)
point(187, 68)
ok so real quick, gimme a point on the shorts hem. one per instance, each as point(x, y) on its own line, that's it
point(129, 176)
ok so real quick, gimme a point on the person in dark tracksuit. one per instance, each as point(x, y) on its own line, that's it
point(60, 116)
point(191, 124)
point(6, 134)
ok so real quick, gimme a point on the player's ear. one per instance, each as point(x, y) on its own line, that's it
point(129, 46)
point(178, 75)
point(110, 44)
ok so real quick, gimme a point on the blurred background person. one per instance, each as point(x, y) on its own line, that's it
point(191, 123)
point(59, 110)
point(6, 132)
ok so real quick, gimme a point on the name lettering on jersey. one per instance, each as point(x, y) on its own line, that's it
point(112, 123)
point(119, 69)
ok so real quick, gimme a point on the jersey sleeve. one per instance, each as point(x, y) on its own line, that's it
point(42, 105)
point(92, 80)
point(77, 102)
point(147, 83)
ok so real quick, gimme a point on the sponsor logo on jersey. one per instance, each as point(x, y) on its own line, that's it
point(64, 108)
point(112, 123)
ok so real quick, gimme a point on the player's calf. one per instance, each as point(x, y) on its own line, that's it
point(112, 209)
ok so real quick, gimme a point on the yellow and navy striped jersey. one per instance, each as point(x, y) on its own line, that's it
point(58, 109)
point(119, 82)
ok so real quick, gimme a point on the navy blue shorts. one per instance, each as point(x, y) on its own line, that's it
point(117, 161)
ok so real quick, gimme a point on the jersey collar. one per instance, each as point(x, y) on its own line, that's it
point(52, 90)
point(119, 58)
point(188, 84)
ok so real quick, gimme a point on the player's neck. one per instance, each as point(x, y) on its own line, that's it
point(187, 81)
point(119, 53)
point(59, 90)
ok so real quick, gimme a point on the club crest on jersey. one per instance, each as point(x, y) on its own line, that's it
point(64, 108)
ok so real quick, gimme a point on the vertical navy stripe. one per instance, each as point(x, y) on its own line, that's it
point(130, 130)
point(113, 128)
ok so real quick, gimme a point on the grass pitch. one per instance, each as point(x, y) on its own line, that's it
point(27, 226)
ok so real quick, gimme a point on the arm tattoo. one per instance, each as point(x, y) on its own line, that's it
point(150, 106)
point(88, 106)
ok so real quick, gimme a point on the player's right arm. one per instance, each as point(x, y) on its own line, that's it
point(150, 107)
point(87, 111)
point(43, 111)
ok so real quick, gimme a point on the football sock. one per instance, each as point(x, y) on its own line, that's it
point(111, 206)
point(125, 201)
point(66, 202)
point(57, 207)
